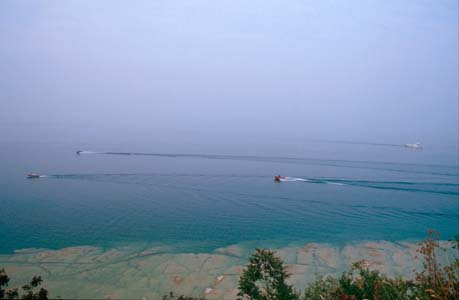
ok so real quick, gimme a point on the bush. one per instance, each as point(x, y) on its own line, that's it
point(433, 282)
point(29, 293)
point(264, 278)
point(370, 284)
point(321, 288)
point(171, 296)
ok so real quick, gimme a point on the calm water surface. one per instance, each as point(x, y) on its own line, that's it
point(212, 197)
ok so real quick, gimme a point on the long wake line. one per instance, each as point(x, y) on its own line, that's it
point(444, 188)
point(355, 143)
point(383, 166)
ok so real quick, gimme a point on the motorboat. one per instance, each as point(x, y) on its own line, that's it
point(33, 175)
point(278, 178)
point(414, 146)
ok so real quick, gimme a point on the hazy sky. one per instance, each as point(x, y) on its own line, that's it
point(362, 70)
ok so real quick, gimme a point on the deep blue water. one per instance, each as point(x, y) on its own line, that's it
point(205, 198)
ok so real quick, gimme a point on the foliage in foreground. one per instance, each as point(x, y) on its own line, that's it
point(171, 296)
point(359, 284)
point(433, 282)
point(264, 278)
point(28, 289)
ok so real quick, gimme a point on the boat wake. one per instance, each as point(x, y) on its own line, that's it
point(438, 170)
point(445, 188)
point(310, 180)
point(354, 143)
point(293, 179)
point(87, 152)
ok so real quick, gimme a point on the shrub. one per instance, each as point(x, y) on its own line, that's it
point(29, 293)
point(264, 278)
point(171, 296)
point(435, 281)
point(321, 289)
point(370, 284)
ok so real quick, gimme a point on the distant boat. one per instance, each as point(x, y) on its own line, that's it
point(278, 178)
point(414, 146)
point(33, 175)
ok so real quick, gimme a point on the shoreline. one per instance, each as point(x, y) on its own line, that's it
point(136, 272)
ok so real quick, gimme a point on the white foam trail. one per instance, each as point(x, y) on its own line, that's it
point(87, 152)
point(334, 183)
point(287, 179)
point(43, 176)
point(295, 179)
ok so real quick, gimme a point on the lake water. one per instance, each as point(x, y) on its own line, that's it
point(215, 196)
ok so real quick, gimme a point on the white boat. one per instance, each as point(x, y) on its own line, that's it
point(33, 175)
point(416, 145)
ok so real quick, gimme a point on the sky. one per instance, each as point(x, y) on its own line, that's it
point(379, 71)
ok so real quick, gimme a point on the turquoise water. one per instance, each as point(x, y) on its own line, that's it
point(200, 200)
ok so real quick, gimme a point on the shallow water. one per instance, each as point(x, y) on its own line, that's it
point(139, 271)
point(199, 200)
